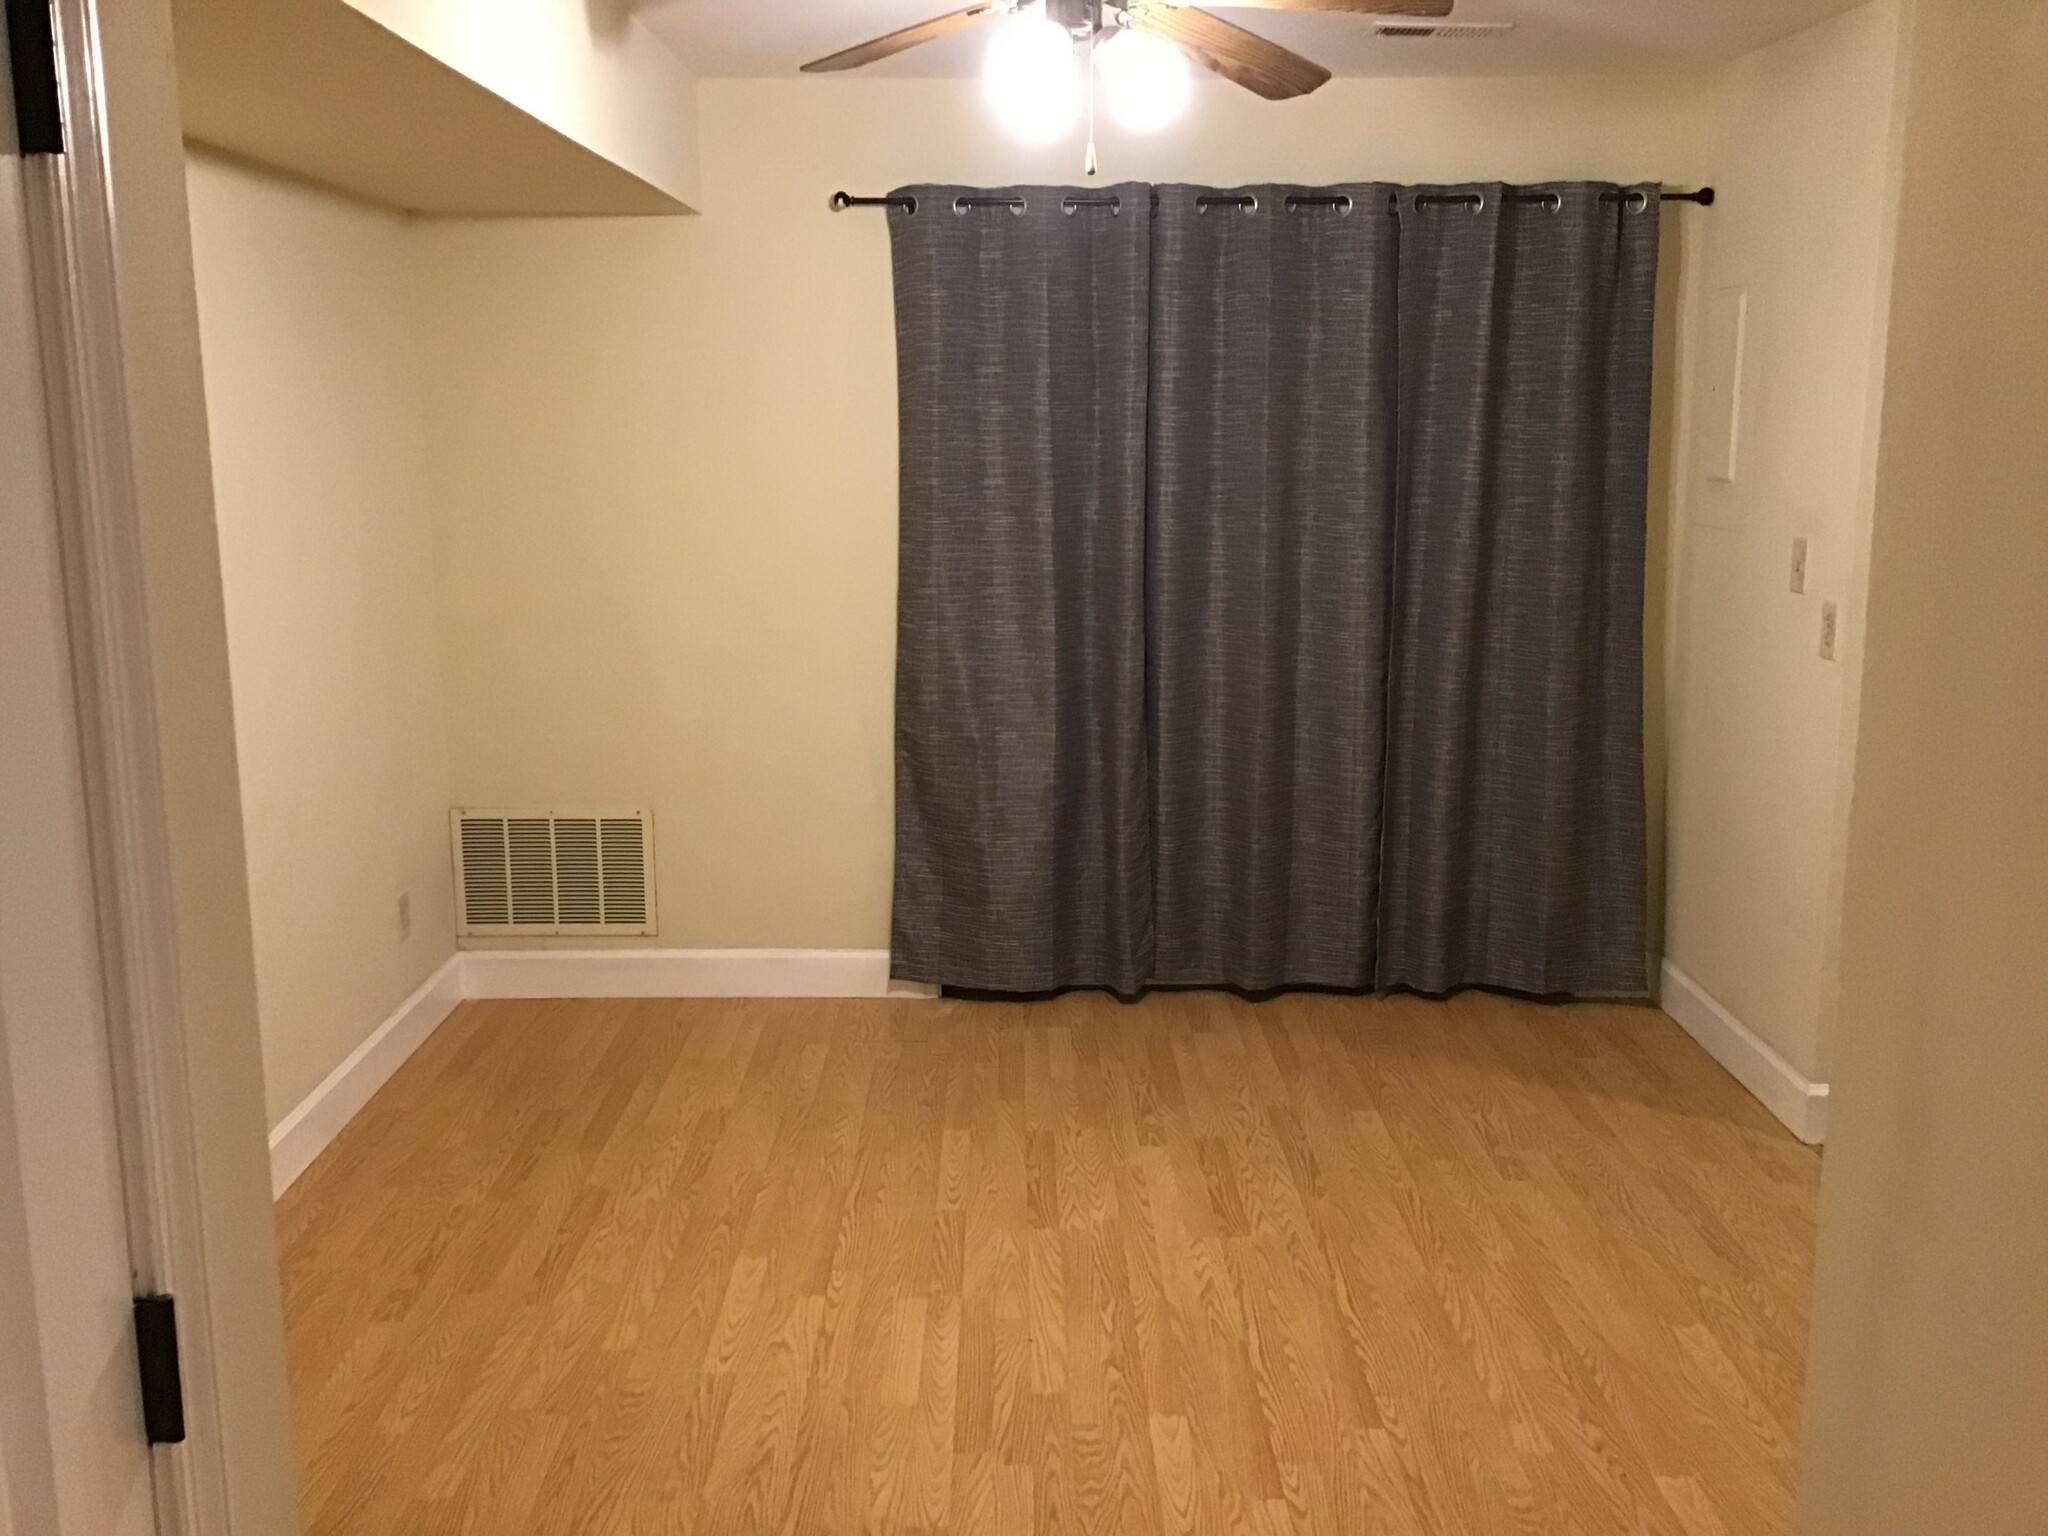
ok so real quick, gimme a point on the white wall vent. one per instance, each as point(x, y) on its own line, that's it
point(553, 872)
point(1466, 31)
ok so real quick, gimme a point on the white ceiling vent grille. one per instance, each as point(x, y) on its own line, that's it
point(554, 871)
point(1467, 31)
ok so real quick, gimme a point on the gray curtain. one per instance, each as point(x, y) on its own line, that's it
point(1514, 852)
point(1023, 797)
point(1271, 501)
point(1271, 588)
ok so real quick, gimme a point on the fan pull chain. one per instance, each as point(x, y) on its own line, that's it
point(1088, 163)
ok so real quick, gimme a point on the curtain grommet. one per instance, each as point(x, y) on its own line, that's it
point(1636, 202)
point(1016, 205)
point(1340, 202)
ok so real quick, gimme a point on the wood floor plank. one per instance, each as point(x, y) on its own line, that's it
point(1311, 1265)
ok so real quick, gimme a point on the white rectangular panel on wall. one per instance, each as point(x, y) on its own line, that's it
point(542, 872)
point(1719, 447)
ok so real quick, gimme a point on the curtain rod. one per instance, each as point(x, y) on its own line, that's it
point(841, 201)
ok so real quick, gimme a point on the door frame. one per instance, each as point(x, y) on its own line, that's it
point(70, 204)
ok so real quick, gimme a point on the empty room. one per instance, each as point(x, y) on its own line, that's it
point(1059, 767)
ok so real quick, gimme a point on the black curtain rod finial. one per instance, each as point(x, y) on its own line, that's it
point(841, 201)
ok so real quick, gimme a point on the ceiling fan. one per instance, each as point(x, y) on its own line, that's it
point(1224, 48)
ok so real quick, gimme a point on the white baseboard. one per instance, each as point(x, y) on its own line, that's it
point(304, 1134)
point(683, 973)
point(536, 973)
point(1786, 1092)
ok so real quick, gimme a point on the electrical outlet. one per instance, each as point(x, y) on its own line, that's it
point(1799, 565)
point(1827, 631)
point(405, 914)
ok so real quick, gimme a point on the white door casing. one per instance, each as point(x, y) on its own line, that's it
point(132, 1099)
point(73, 1460)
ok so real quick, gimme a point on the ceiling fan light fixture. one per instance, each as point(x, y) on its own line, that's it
point(1146, 79)
point(1031, 77)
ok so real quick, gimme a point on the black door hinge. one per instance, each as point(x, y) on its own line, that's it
point(163, 1380)
point(32, 51)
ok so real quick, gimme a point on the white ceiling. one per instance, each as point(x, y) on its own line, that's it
point(751, 38)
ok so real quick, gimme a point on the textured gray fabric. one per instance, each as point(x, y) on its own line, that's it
point(1514, 853)
point(1348, 628)
point(1023, 805)
point(1271, 502)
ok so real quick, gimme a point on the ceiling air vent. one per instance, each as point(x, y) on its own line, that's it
point(1456, 30)
point(554, 872)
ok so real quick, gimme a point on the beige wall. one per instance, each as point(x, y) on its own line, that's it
point(1762, 729)
point(1928, 1411)
point(589, 69)
point(320, 483)
point(454, 106)
point(665, 453)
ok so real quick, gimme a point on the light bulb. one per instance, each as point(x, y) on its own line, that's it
point(1146, 78)
point(1031, 78)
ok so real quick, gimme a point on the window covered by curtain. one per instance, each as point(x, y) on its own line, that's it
point(1271, 587)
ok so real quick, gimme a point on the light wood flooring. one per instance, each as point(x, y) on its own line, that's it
point(1318, 1264)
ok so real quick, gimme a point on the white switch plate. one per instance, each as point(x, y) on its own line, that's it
point(1799, 565)
point(1827, 631)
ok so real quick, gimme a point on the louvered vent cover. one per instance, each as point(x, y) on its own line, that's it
point(1456, 31)
point(554, 871)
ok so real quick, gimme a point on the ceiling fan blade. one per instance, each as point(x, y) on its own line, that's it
point(1429, 8)
point(904, 37)
point(1261, 67)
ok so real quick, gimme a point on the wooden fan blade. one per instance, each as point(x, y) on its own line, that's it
point(904, 37)
point(1430, 8)
point(1261, 67)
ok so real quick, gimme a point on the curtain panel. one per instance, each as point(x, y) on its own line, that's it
point(1269, 545)
point(1271, 587)
point(1023, 791)
point(1515, 846)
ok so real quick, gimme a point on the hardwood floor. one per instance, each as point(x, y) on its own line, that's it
point(1313, 1265)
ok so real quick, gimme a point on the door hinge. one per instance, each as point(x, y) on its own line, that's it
point(38, 102)
point(163, 1380)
